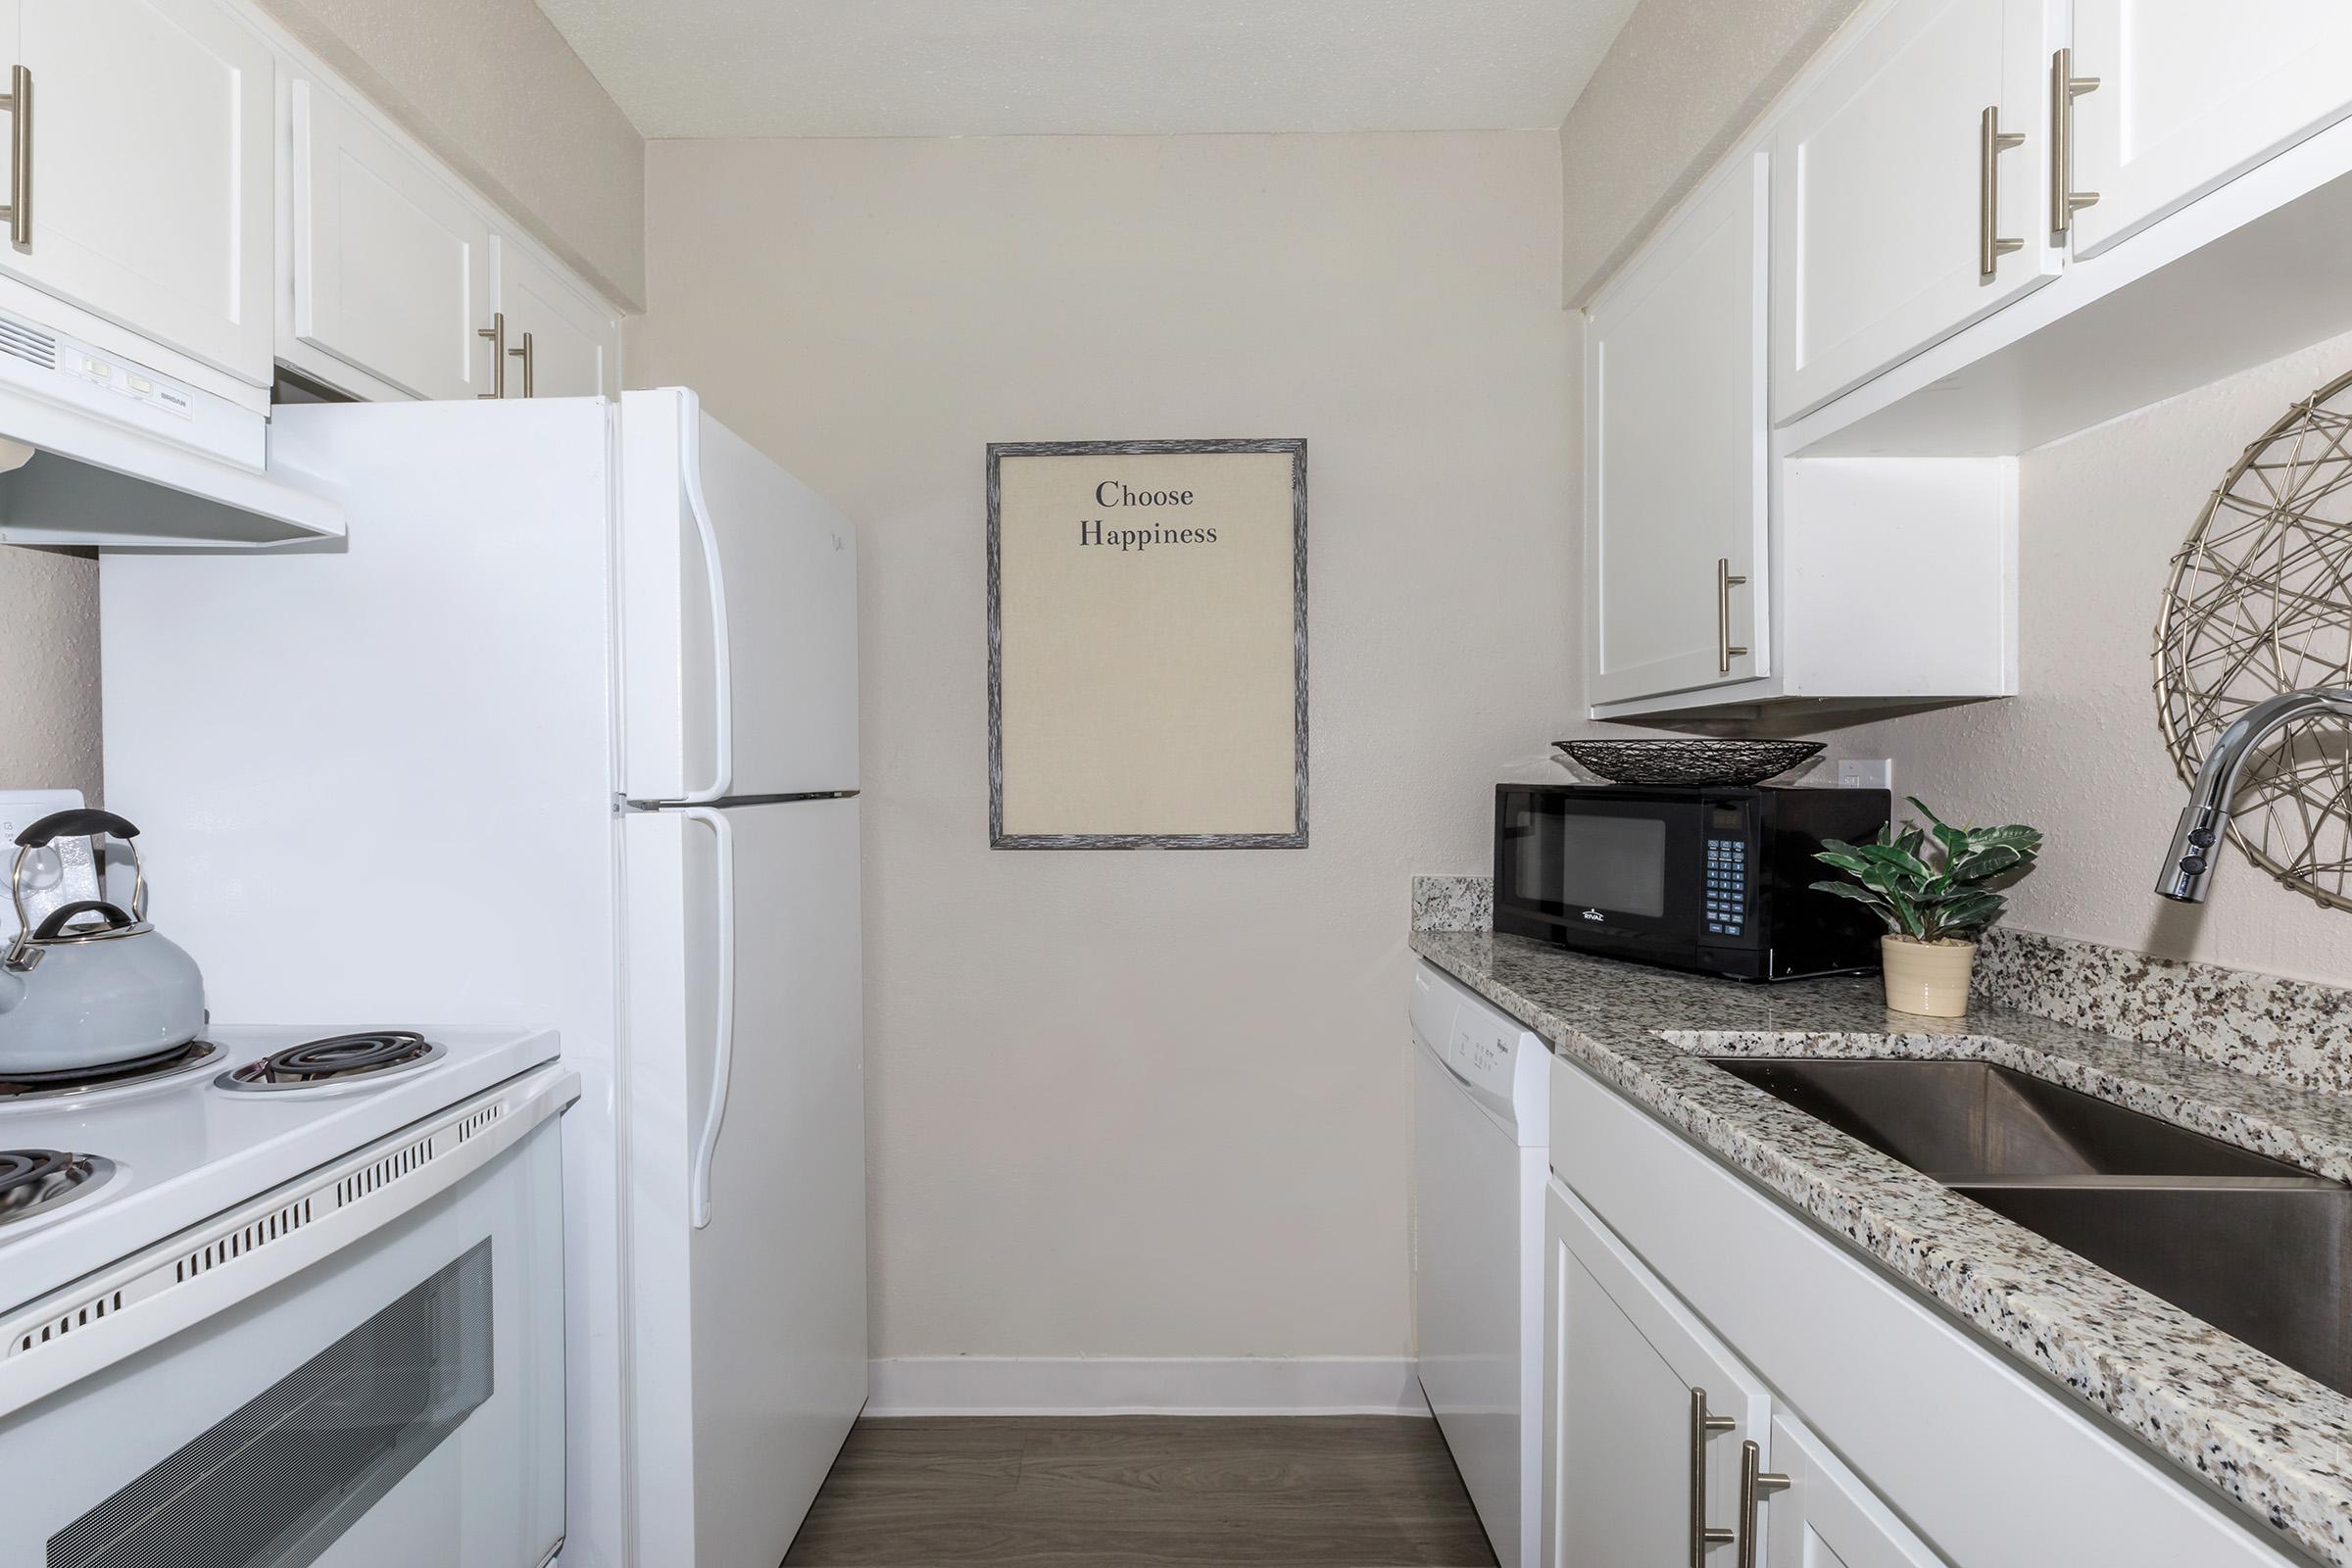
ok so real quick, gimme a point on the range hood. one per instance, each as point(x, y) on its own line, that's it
point(96, 450)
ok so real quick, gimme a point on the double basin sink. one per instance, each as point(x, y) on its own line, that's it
point(2257, 1247)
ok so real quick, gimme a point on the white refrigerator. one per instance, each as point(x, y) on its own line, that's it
point(565, 734)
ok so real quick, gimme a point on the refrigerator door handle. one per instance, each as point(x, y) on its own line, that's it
point(722, 683)
point(722, 1054)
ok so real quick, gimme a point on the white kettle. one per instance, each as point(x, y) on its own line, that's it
point(92, 985)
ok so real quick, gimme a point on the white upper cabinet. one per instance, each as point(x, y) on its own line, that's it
point(2192, 93)
point(391, 263)
point(560, 343)
point(1676, 492)
point(150, 189)
point(1910, 191)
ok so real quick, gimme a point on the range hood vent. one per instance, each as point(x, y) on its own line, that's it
point(96, 450)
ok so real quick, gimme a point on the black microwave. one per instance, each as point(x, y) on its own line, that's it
point(1713, 879)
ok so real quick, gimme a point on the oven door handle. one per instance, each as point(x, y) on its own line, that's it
point(722, 1049)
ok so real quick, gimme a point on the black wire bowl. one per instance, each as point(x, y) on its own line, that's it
point(1689, 763)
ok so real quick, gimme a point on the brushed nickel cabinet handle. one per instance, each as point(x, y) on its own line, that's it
point(496, 333)
point(1991, 142)
point(2064, 88)
point(1755, 1485)
point(528, 359)
point(16, 104)
point(1703, 1427)
point(1726, 650)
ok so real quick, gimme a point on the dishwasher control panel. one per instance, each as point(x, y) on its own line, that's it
point(1484, 1050)
point(1494, 1057)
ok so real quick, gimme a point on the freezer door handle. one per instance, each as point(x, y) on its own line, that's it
point(723, 1054)
point(722, 683)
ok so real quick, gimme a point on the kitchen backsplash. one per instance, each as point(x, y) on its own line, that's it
point(1453, 903)
point(2294, 1030)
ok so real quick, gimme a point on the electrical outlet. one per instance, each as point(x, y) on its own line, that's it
point(1866, 772)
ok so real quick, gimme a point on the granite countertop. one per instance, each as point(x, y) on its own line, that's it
point(2275, 1441)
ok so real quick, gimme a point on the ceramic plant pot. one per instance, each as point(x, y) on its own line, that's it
point(1929, 978)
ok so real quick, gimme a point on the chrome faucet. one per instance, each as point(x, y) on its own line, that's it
point(2189, 863)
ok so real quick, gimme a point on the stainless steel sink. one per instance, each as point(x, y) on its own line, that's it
point(2255, 1246)
point(1957, 1119)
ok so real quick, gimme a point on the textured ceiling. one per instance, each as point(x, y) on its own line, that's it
point(969, 68)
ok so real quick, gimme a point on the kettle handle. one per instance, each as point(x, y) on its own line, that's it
point(77, 823)
point(117, 917)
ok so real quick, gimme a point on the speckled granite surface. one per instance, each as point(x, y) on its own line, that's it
point(2295, 1031)
point(2276, 1441)
point(1453, 903)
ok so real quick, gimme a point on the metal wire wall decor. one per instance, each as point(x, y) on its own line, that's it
point(2260, 603)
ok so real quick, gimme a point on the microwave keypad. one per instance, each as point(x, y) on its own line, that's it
point(1727, 887)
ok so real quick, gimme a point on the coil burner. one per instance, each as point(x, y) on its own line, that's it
point(340, 1059)
point(195, 1055)
point(34, 1180)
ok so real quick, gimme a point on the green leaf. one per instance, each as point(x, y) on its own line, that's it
point(1900, 858)
point(1849, 863)
point(1913, 923)
point(1990, 860)
point(1968, 913)
point(1877, 905)
point(2016, 836)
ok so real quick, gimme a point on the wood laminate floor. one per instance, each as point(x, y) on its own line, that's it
point(1143, 1492)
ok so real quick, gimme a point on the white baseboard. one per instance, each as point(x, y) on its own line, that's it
point(994, 1385)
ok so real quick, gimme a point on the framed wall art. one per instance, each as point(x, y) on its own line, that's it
point(1147, 645)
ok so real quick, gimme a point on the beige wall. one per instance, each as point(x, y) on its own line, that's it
point(1682, 83)
point(2078, 754)
point(48, 670)
point(1153, 1104)
point(493, 89)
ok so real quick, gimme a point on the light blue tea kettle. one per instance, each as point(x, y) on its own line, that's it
point(92, 984)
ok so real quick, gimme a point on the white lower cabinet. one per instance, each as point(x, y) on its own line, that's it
point(1645, 1413)
point(1903, 1440)
point(1825, 1517)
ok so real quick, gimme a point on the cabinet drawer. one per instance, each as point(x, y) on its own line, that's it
point(1992, 1469)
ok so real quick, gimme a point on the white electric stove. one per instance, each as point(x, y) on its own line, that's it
point(289, 1295)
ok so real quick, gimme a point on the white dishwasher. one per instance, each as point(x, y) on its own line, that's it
point(1481, 1147)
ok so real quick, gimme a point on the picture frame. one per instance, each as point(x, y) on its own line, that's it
point(1147, 644)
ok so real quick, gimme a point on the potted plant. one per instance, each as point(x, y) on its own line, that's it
point(1935, 887)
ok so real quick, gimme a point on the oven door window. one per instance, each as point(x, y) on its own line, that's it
point(398, 1400)
point(278, 1480)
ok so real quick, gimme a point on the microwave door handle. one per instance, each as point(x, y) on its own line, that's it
point(723, 1054)
point(722, 661)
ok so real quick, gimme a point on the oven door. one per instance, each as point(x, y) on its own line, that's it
point(398, 1401)
point(1604, 870)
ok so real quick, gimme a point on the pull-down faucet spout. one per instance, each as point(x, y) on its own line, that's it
point(2189, 863)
